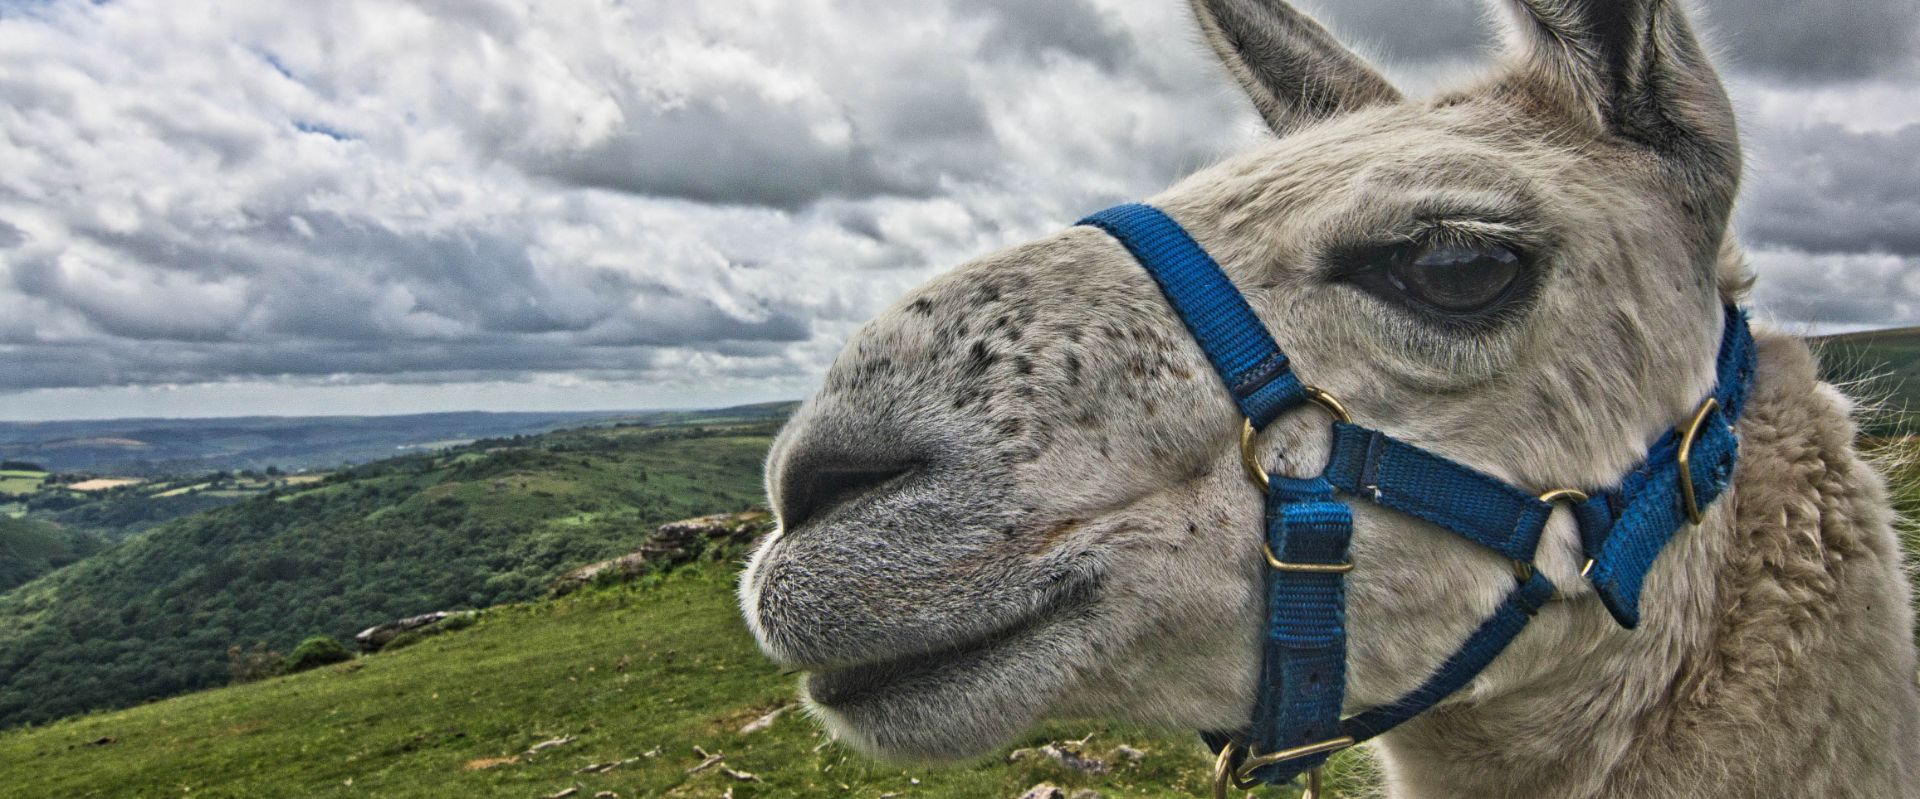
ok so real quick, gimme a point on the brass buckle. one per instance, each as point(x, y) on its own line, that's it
point(1303, 568)
point(1250, 460)
point(1225, 775)
point(1690, 501)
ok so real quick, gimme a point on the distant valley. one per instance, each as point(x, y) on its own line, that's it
point(169, 447)
point(277, 558)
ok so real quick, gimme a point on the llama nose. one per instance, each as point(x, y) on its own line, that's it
point(814, 481)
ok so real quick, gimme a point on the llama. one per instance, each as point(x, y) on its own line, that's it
point(1018, 493)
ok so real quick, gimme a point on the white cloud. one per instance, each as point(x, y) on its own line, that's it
point(649, 199)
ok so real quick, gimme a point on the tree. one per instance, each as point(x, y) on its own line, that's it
point(313, 653)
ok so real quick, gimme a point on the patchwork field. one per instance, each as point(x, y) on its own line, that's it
point(15, 483)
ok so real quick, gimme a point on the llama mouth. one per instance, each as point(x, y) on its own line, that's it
point(852, 685)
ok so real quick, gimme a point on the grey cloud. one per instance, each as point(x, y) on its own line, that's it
point(1034, 28)
point(744, 152)
point(686, 192)
point(1838, 289)
point(1435, 30)
point(1817, 41)
point(1826, 189)
point(133, 363)
point(1804, 43)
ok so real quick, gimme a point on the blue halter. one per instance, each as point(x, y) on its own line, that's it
point(1296, 720)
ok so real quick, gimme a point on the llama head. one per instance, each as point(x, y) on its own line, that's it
point(1018, 494)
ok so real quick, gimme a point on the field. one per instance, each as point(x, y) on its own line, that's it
point(116, 508)
point(1881, 367)
point(470, 528)
point(637, 683)
point(17, 483)
point(638, 676)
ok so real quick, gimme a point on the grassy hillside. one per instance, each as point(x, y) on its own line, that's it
point(465, 528)
point(1882, 366)
point(29, 549)
point(636, 675)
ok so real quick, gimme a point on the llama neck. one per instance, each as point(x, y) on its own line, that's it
point(1776, 656)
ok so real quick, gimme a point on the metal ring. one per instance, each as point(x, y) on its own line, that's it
point(1223, 771)
point(1313, 785)
point(1248, 436)
point(1224, 774)
point(1248, 459)
point(1688, 498)
point(1325, 400)
point(1255, 762)
point(1572, 495)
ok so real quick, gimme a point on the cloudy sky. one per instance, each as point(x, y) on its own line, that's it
point(286, 206)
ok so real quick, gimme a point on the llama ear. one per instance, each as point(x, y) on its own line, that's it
point(1637, 69)
point(1294, 70)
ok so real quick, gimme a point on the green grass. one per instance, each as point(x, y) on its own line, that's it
point(1881, 366)
point(658, 668)
point(29, 549)
point(20, 484)
point(155, 615)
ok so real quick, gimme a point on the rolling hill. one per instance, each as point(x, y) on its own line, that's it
point(174, 446)
point(630, 680)
point(468, 527)
point(29, 549)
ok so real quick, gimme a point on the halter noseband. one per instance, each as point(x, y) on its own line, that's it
point(1296, 721)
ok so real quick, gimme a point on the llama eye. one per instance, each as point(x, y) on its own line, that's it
point(1459, 278)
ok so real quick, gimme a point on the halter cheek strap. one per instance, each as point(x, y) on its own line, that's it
point(1297, 724)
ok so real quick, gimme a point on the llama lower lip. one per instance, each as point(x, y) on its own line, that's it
point(851, 684)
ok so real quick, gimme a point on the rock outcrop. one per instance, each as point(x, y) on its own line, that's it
point(673, 543)
point(375, 638)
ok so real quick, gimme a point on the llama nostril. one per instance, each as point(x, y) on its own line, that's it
point(812, 492)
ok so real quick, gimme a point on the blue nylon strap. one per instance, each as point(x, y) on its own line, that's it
point(1473, 657)
point(1624, 529)
point(1393, 474)
point(1303, 670)
point(1241, 350)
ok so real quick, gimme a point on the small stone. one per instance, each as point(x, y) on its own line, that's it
point(765, 721)
point(551, 743)
point(1074, 760)
point(562, 794)
point(1127, 753)
point(709, 762)
point(606, 795)
point(1045, 790)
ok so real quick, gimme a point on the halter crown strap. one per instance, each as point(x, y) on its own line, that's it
point(1241, 350)
point(1623, 529)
